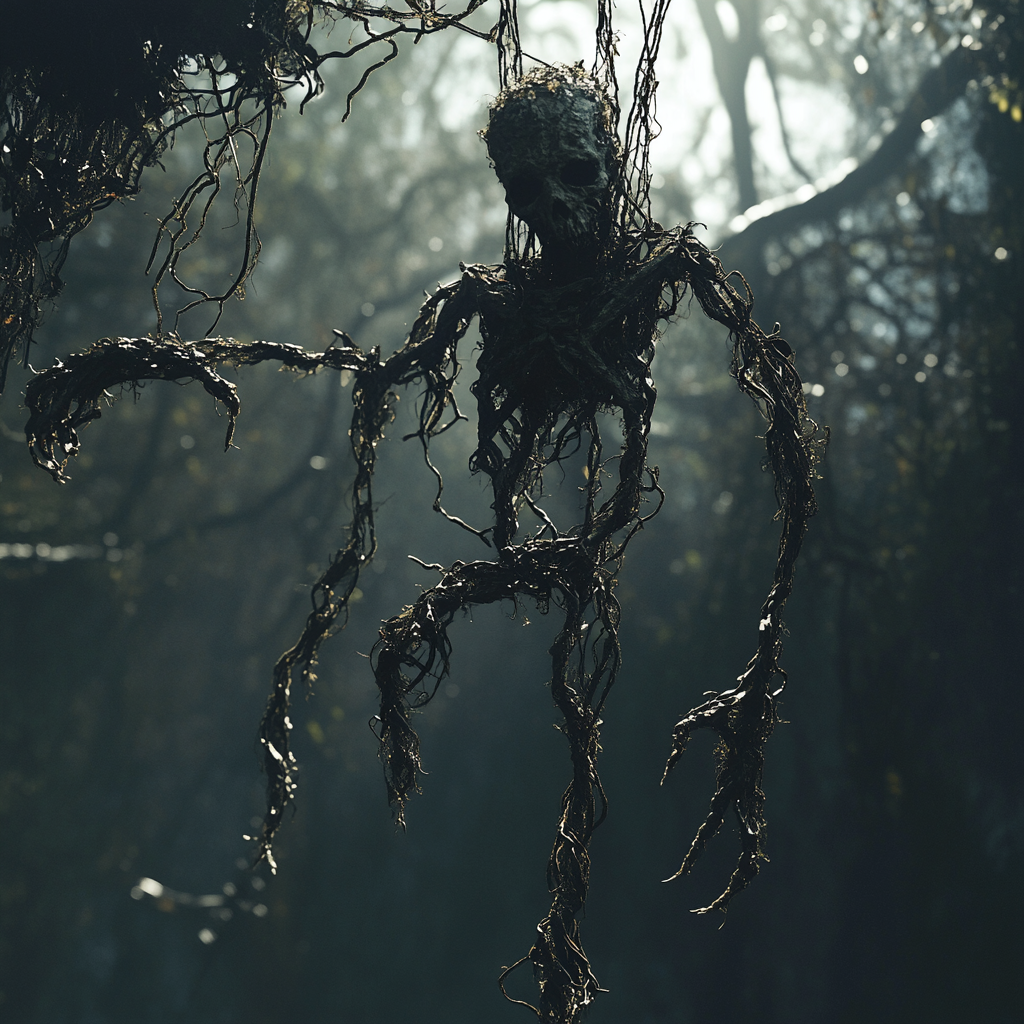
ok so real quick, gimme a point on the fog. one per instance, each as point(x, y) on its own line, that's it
point(145, 603)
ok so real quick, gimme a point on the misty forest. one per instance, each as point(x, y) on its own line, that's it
point(344, 352)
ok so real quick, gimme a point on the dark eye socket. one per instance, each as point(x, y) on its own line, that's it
point(523, 189)
point(580, 172)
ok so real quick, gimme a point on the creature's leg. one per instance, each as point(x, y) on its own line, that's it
point(414, 649)
point(567, 983)
point(411, 657)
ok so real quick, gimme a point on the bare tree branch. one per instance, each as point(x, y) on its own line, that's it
point(731, 59)
point(938, 89)
point(769, 67)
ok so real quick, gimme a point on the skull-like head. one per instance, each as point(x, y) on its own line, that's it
point(552, 142)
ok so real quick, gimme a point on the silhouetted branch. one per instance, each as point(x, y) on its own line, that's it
point(937, 90)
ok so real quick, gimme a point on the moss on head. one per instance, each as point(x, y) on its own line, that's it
point(553, 91)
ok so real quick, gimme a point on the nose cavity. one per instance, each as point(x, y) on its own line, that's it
point(560, 211)
point(523, 189)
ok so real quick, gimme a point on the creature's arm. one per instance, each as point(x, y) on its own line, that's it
point(68, 396)
point(479, 287)
point(744, 716)
point(429, 355)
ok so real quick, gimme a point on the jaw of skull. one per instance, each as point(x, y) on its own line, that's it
point(555, 159)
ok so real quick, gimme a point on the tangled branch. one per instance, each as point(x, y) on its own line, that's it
point(73, 141)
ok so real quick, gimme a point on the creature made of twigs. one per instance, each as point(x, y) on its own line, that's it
point(567, 333)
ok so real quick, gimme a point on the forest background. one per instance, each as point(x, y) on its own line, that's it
point(861, 165)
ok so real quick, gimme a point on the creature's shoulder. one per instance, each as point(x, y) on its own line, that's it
point(493, 292)
point(485, 276)
point(658, 265)
point(679, 253)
